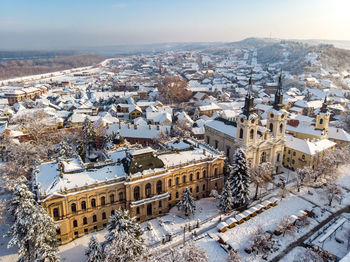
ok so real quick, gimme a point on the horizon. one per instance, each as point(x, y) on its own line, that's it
point(46, 25)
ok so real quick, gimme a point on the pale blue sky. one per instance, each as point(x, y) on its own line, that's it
point(34, 24)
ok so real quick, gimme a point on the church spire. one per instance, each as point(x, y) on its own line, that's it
point(249, 100)
point(278, 103)
point(324, 108)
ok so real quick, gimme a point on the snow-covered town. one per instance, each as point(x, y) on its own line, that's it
point(186, 152)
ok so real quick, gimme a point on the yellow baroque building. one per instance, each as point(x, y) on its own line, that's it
point(80, 197)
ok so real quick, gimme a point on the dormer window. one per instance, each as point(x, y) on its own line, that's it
point(321, 121)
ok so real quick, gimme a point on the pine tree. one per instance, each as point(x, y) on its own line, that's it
point(186, 203)
point(239, 178)
point(65, 150)
point(33, 231)
point(124, 248)
point(94, 251)
point(226, 201)
point(122, 222)
point(88, 132)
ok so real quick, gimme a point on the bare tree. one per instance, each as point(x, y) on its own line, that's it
point(286, 226)
point(261, 242)
point(261, 174)
point(332, 191)
point(314, 254)
point(303, 174)
point(233, 256)
point(173, 89)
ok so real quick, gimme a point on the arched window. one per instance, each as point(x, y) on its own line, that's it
point(321, 121)
point(241, 133)
point(263, 157)
point(111, 198)
point(83, 205)
point(191, 189)
point(75, 223)
point(121, 196)
point(148, 190)
point(74, 207)
point(278, 157)
point(303, 157)
point(94, 218)
point(271, 127)
point(281, 128)
point(203, 187)
point(103, 201)
point(204, 173)
point(104, 215)
point(137, 193)
point(137, 210)
point(169, 182)
point(177, 181)
point(191, 177)
point(93, 202)
point(112, 212)
point(251, 134)
point(216, 172)
point(198, 175)
point(177, 195)
point(184, 179)
point(197, 189)
point(159, 187)
point(84, 221)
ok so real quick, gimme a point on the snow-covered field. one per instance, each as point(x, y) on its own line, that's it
point(208, 215)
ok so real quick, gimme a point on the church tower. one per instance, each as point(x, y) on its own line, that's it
point(247, 122)
point(277, 117)
point(322, 119)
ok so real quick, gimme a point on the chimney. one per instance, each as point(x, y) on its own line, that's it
point(157, 127)
point(203, 151)
point(150, 127)
point(129, 125)
point(135, 126)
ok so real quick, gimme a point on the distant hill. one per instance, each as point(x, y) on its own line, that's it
point(25, 67)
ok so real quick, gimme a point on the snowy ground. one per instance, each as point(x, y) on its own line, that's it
point(208, 215)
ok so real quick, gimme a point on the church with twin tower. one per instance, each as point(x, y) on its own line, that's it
point(261, 142)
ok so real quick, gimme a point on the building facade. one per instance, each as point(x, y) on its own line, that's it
point(80, 197)
point(261, 143)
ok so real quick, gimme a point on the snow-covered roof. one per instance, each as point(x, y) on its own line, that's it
point(222, 127)
point(307, 146)
point(338, 134)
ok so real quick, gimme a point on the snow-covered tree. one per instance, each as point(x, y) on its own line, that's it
point(124, 248)
point(65, 150)
point(88, 132)
point(261, 243)
point(331, 191)
point(233, 256)
point(94, 251)
point(303, 174)
point(314, 254)
point(189, 253)
point(122, 222)
point(187, 203)
point(239, 178)
point(226, 203)
point(33, 230)
point(260, 175)
point(286, 226)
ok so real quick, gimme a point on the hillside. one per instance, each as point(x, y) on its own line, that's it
point(18, 68)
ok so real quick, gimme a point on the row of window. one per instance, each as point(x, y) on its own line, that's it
point(93, 202)
point(294, 154)
point(94, 219)
point(148, 190)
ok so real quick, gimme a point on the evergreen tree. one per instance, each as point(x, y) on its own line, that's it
point(94, 251)
point(226, 201)
point(239, 178)
point(88, 132)
point(124, 248)
point(186, 203)
point(65, 150)
point(33, 231)
point(122, 222)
